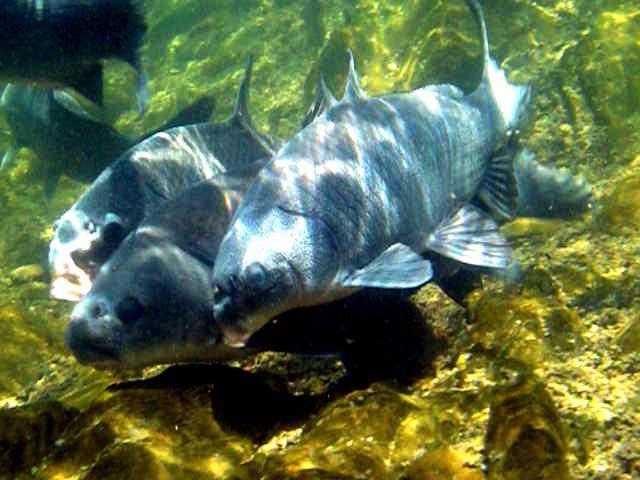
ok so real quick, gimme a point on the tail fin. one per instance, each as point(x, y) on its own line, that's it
point(547, 192)
point(510, 100)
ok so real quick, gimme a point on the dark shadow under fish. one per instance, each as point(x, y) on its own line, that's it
point(54, 43)
point(66, 138)
point(139, 182)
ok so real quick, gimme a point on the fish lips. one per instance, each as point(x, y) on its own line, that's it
point(68, 280)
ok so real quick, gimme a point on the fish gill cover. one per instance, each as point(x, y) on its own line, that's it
point(534, 380)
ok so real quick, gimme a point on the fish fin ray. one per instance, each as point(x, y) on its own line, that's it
point(199, 111)
point(498, 191)
point(353, 90)
point(241, 115)
point(472, 237)
point(324, 100)
point(547, 192)
point(397, 267)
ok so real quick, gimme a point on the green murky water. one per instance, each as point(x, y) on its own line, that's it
point(542, 383)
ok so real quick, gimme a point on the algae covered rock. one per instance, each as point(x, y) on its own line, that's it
point(29, 433)
point(526, 439)
point(620, 207)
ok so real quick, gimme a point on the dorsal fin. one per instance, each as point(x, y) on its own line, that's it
point(476, 9)
point(328, 97)
point(509, 100)
point(352, 90)
point(241, 108)
point(324, 100)
point(241, 114)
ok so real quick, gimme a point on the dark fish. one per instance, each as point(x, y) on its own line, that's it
point(140, 181)
point(55, 43)
point(150, 301)
point(67, 139)
point(362, 195)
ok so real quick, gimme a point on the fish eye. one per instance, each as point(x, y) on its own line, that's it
point(90, 226)
point(113, 233)
point(256, 276)
point(129, 310)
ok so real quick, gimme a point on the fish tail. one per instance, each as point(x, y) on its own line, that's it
point(510, 100)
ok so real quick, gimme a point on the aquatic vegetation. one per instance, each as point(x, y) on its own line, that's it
point(537, 378)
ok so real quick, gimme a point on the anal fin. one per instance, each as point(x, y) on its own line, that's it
point(397, 267)
point(471, 236)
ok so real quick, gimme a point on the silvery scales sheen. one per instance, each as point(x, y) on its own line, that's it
point(385, 192)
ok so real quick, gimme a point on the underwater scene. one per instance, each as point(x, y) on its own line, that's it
point(357, 239)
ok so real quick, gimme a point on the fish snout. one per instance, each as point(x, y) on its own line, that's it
point(227, 318)
point(92, 332)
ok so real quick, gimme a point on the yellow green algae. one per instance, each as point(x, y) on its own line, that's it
point(534, 380)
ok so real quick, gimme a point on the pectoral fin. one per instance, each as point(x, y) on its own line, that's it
point(397, 267)
point(470, 236)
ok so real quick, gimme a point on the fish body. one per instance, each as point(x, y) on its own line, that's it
point(361, 196)
point(138, 183)
point(67, 138)
point(54, 43)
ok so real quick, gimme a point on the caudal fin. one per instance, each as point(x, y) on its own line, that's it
point(547, 192)
point(510, 100)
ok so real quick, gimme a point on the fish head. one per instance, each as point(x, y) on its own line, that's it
point(81, 243)
point(149, 304)
point(271, 260)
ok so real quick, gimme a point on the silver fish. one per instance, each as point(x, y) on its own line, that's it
point(366, 192)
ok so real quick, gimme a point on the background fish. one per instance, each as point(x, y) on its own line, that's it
point(67, 139)
point(141, 180)
point(359, 195)
point(62, 42)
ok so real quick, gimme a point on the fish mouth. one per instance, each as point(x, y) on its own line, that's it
point(92, 351)
point(68, 281)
